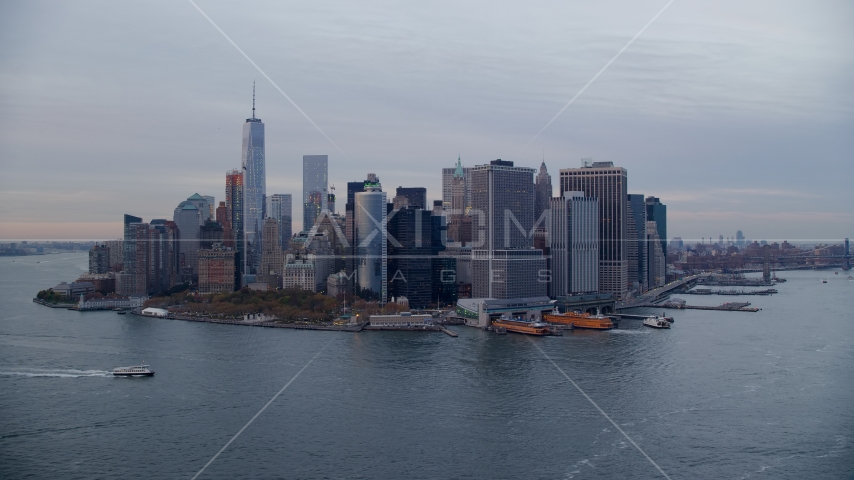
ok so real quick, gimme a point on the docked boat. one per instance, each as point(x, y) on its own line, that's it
point(518, 325)
point(580, 320)
point(656, 322)
point(134, 371)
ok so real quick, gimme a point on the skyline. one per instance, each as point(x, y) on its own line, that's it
point(753, 116)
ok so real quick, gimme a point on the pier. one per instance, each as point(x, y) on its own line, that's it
point(727, 307)
point(708, 291)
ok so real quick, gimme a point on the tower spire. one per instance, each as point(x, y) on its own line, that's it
point(253, 99)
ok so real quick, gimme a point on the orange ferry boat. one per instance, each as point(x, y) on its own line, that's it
point(522, 326)
point(580, 320)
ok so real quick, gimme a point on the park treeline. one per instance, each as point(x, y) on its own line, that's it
point(50, 296)
point(289, 305)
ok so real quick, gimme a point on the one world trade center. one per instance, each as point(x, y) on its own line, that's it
point(254, 189)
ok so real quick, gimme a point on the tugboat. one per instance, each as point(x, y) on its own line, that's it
point(656, 322)
point(823, 280)
point(134, 371)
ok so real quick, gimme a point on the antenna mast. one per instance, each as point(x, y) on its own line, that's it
point(253, 99)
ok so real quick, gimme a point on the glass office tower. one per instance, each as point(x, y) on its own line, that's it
point(279, 207)
point(370, 211)
point(254, 189)
point(315, 178)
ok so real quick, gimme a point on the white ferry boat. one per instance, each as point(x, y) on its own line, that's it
point(135, 371)
point(656, 322)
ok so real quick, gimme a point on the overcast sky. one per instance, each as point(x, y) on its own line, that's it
point(738, 115)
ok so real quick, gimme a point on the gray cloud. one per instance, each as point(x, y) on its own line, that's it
point(107, 108)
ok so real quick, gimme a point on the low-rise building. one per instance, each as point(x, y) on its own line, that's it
point(104, 282)
point(337, 285)
point(405, 319)
point(479, 312)
point(109, 302)
point(74, 289)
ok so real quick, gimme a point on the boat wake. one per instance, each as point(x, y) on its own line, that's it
point(53, 372)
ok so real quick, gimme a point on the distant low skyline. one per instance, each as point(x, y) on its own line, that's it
point(737, 116)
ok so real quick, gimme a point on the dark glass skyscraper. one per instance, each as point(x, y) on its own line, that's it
point(657, 212)
point(409, 262)
point(637, 250)
point(415, 196)
point(254, 188)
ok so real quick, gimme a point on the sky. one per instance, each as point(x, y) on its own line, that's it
point(737, 115)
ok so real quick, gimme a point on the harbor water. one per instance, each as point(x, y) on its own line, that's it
point(720, 395)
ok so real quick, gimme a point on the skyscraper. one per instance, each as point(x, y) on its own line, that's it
point(458, 203)
point(222, 219)
point(350, 228)
point(128, 247)
point(254, 188)
point(280, 208)
point(636, 228)
point(134, 280)
point(203, 203)
point(186, 217)
point(409, 264)
point(542, 191)
point(234, 208)
point(99, 259)
point(574, 244)
point(272, 257)
point(163, 255)
point(370, 212)
point(657, 212)
point(656, 259)
point(607, 183)
point(415, 196)
point(448, 175)
point(504, 262)
point(315, 179)
point(211, 201)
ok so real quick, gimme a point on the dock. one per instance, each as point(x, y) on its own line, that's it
point(448, 331)
point(709, 291)
point(727, 307)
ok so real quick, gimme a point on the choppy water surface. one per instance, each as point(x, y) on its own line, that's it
point(721, 395)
